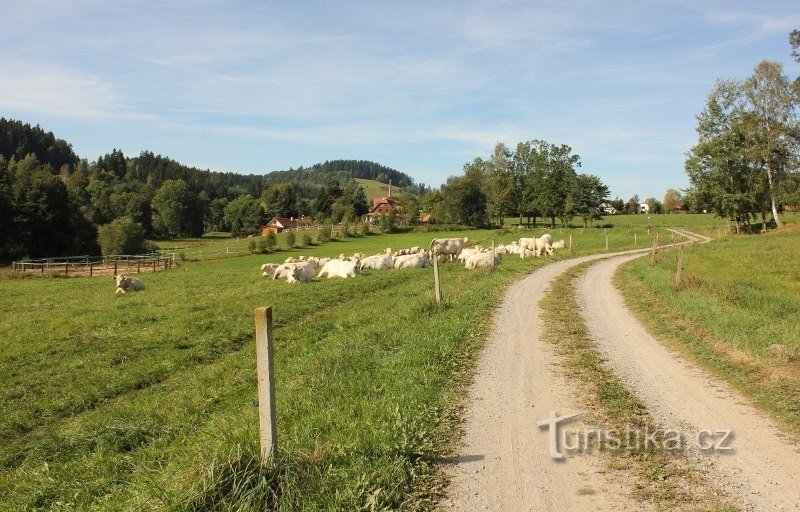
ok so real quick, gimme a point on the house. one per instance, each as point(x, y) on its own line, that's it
point(382, 205)
point(608, 209)
point(644, 208)
point(278, 224)
point(426, 219)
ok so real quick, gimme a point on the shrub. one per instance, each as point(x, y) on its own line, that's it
point(251, 246)
point(324, 234)
point(263, 245)
point(307, 239)
point(290, 239)
point(272, 241)
point(121, 236)
point(364, 229)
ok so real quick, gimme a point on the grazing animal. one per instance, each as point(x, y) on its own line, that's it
point(299, 275)
point(379, 261)
point(526, 246)
point(481, 260)
point(452, 247)
point(544, 244)
point(339, 268)
point(419, 260)
point(284, 270)
point(127, 284)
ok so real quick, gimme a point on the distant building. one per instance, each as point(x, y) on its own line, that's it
point(608, 209)
point(644, 208)
point(278, 224)
point(382, 205)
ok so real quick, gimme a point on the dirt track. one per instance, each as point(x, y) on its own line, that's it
point(505, 463)
point(763, 469)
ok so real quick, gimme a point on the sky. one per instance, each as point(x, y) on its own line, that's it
point(422, 87)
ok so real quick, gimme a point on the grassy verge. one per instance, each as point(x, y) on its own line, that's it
point(663, 478)
point(735, 313)
point(144, 401)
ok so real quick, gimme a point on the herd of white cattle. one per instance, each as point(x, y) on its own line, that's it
point(305, 268)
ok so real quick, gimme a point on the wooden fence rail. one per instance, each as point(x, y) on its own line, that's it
point(86, 266)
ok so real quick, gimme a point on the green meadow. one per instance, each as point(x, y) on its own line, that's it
point(735, 312)
point(144, 401)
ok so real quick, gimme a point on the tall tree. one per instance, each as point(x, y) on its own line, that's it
point(244, 215)
point(464, 199)
point(771, 124)
point(673, 201)
point(174, 210)
point(588, 193)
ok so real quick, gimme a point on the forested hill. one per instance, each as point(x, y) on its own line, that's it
point(19, 140)
point(345, 170)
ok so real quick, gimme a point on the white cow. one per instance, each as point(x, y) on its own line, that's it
point(339, 268)
point(559, 245)
point(127, 284)
point(299, 275)
point(284, 270)
point(379, 261)
point(451, 247)
point(481, 260)
point(419, 260)
point(267, 269)
point(544, 244)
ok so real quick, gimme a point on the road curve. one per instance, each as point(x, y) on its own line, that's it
point(504, 462)
point(763, 468)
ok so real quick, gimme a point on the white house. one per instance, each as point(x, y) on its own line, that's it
point(644, 208)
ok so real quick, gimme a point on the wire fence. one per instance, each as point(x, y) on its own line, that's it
point(91, 266)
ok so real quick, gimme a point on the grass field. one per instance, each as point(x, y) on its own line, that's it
point(144, 401)
point(376, 189)
point(735, 313)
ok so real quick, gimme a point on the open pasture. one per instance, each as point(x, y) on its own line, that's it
point(145, 400)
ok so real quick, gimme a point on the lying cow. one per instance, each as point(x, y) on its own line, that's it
point(128, 284)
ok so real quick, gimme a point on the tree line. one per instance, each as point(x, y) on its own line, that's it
point(536, 179)
point(745, 163)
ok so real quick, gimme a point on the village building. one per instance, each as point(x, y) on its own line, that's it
point(278, 224)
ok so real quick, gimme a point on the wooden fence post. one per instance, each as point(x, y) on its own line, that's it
point(606, 241)
point(66, 269)
point(115, 268)
point(635, 240)
point(90, 269)
point(570, 243)
point(655, 248)
point(266, 385)
point(436, 289)
point(679, 270)
point(138, 266)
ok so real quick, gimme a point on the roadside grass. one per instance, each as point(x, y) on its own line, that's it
point(664, 478)
point(736, 313)
point(145, 400)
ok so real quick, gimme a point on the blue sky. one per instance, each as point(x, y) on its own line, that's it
point(419, 86)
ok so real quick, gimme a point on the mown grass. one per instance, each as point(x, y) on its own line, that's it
point(661, 477)
point(735, 312)
point(144, 401)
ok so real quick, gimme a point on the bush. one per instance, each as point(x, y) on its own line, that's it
point(251, 246)
point(307, 240)
point(262, 245)
point(364, 229)
point(272, 242)
point(121, 236)
point(324, 234)
point(290, 240)
point(346, 229)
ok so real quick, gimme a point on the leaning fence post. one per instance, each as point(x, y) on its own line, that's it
point(679, 270)
point(437, 291)
point(266, 385)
